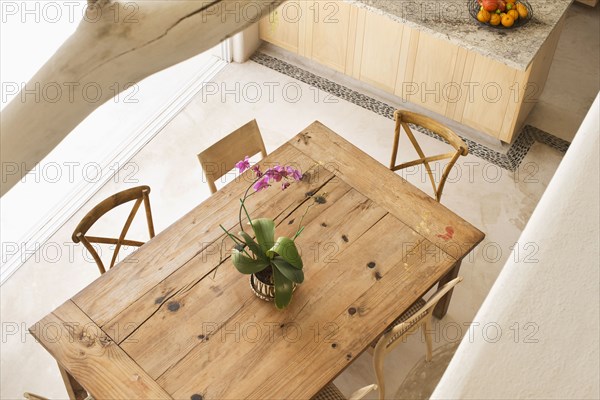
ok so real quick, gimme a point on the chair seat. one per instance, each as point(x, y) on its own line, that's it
point(412, 310)
point(329, 392)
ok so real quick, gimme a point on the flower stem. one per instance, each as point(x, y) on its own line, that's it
point(300, 227)
point(246, 195)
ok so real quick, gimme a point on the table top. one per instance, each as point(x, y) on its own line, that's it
point(164, 324)
point(450, 20)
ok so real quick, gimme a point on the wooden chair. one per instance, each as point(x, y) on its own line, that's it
point(31, 396)
point(331, 392)
point(221, 157)
point(418, 315)
point(403, 118)
point(139, 194)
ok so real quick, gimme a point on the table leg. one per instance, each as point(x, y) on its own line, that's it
point(442, 306)
point(74, 389)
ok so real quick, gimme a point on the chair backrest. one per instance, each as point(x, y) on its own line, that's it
point(139, 194)
point(403, 118)
point(221, 157)
point(391, 339)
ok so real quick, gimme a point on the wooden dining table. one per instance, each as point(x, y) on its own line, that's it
point(176, 320)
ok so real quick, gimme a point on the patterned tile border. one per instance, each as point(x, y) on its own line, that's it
point(509, 161)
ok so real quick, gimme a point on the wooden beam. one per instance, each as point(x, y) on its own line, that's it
point(117, 44)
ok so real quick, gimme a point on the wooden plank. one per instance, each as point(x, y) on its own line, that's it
point(85, 352)
point(428, 76)
point(203, 305)
point(352, 30)
point(329, 39)
point(381, 74)
point(169, 250)
point(330, 290)
point(406, 63)
point(163, 294)
point(453, 99)
point(492, 81)
point(361, 16)
point(465, 95)
point(412, 206)
point(282, 27)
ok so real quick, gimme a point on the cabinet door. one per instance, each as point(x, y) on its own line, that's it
point(431, 82)
point(493, 85)
point(282, 26)
point(328, 33)
point(380, 44)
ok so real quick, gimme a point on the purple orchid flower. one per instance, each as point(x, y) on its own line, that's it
point(262, 183)
point(243, 165)
point(275, 173)
point(294, 173)
point(257, 171)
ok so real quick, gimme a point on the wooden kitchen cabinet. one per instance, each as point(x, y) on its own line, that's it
point(378, 48)
point(429, 73)
point(282, 27)
point(450, 80)
point(328, 37)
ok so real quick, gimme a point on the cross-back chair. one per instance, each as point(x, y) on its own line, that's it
point(138, 194)
point(32, 396)
point(403, 118)
point(331, 392)
point(417, 316)
point(221, 157)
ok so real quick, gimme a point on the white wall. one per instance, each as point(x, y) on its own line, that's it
point(245, 43)
point(558, 295)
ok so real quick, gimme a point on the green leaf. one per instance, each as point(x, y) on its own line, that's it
point(286, 248)
point(253, 246)
point(246, 265)
point(283, 289)
point(264, 230)
point(290, 272)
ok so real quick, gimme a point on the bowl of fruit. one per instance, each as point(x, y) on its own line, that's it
point(501, 14)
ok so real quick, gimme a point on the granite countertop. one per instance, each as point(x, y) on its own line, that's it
point(450, 20)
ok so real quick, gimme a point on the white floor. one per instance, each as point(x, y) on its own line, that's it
point(496, 201)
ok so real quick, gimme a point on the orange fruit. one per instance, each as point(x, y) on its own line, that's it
point(514, 14)
point(522, 10)
point(507, 20)
point(510, 1)
point(484, 16)
point(495, 19)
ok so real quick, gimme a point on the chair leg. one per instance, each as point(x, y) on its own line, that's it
point(442, 306)
point(74, 389)
point(378, 359)
point(426, 328)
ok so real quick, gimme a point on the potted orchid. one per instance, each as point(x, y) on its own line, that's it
point(274, 266)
